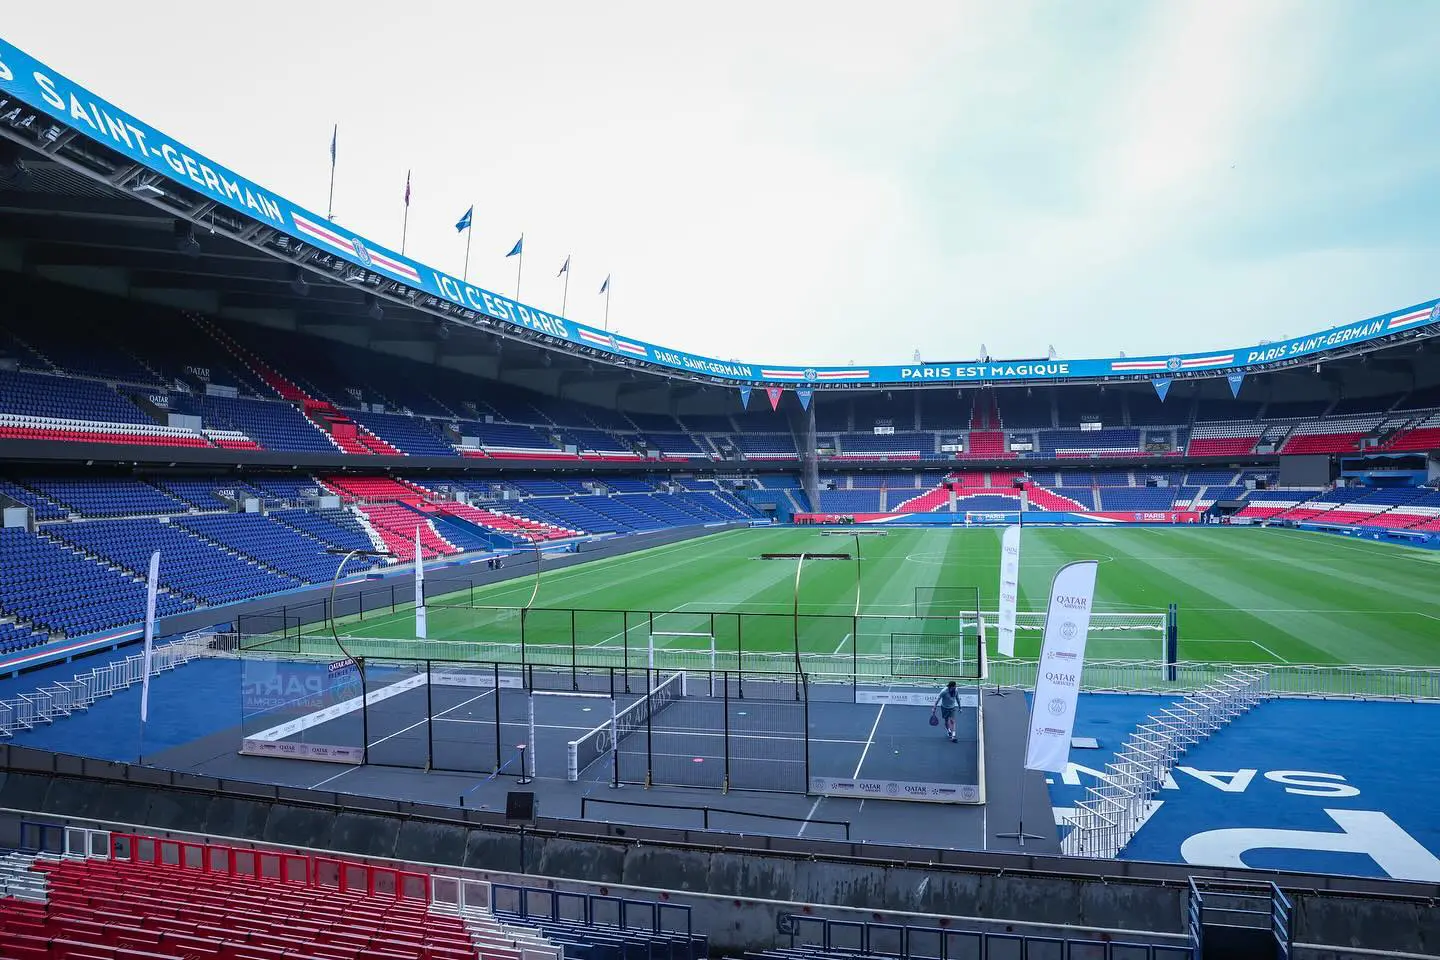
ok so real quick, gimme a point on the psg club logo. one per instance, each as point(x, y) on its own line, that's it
point(361, 253)
point(810, 373)
point(1172, 364)
point(1068, 630)
point(1435, 313)
point(1056, 707)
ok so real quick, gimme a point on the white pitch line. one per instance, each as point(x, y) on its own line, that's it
point(841, 645)
point(1269, 651)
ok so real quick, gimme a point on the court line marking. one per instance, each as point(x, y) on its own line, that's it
point(869, 740)
point(439, 716)
point(841, 645)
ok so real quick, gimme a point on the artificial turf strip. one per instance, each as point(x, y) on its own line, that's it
point(1245, 595)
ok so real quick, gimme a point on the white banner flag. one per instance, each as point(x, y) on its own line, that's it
point(1009, 589)
point(419, 589)
point(1057, 679)
point(151, 588)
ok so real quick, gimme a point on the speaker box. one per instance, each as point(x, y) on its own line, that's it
point(520, 806)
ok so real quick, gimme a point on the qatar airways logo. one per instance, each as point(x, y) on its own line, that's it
point(1073, 603)
point(1067, 679)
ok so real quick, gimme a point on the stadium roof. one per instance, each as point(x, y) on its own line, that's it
point(93, 189)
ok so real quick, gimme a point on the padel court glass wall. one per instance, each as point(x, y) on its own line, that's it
point(722, 700)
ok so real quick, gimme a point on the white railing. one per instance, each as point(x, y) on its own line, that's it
point(30, 710)
point(1286, 679)
point(1119, 803)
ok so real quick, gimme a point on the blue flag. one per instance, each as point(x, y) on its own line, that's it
point(463, 223)
point(606, 285)
point(804, 393)
point(1235, 380)
point(1162, 386)
point(745, 397)
point(564, 268)
point(519, 247)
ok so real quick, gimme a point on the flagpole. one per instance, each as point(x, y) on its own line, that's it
point(152, 586)
point(565, 294)
point(519, 266)
point(330, 206)
point(465, 275)
point(405, 224)
point(607, 306)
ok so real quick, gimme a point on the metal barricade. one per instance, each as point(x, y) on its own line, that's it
point(26, 711)
point(1115, 807)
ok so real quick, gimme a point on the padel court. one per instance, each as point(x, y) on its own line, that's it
point(716, 731)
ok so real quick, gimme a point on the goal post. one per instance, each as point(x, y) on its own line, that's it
point(1144, 628)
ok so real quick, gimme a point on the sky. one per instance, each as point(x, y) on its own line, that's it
point(835, 182)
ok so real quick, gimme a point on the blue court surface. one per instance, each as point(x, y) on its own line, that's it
point(1307, 785)
point(753, 744)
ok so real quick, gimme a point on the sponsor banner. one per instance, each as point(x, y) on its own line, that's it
point(420, 618)
point(1149, 516)
point(482, 681)
point(1032, 518)
point(302, 751)
point(1162, 387)
point(1062, 659)
point(744, 398)
point(867, 789)
point(804, 393)
point(1235, 380)
point(152, 586)
point(911, 698)
point(1009, 589)
point(25, 80)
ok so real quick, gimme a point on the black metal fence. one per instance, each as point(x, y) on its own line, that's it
point(719, 730)
point(379, 625)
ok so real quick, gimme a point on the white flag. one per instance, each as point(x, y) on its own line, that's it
point(1009, 589)
point(1057, 678)
point(419, 589)
point(150, 590)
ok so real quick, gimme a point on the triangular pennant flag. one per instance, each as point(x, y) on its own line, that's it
point(1235, 380)
point(744, 398)
point(774, 394)
point(1162, 386)
point(804, 393)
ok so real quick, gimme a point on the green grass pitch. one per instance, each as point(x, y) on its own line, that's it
point(1245, 595)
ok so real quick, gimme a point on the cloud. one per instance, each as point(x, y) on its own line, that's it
point(821, 183)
